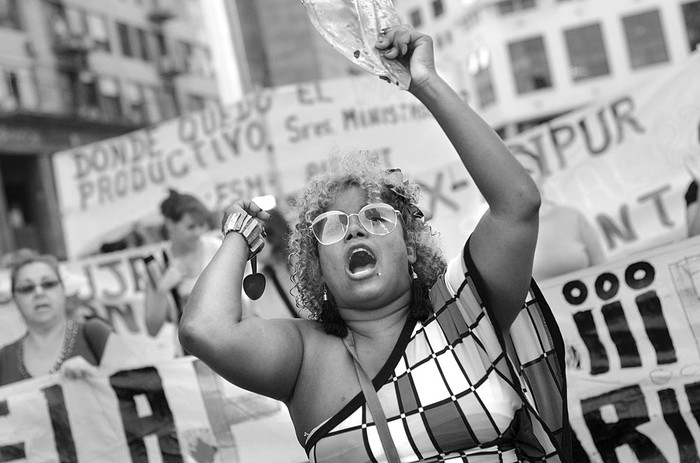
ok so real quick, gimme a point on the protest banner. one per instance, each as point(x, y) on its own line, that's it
point(310, 121)
point(624, 160)
point(631, 329)
point(268, 144)
point(632, 333)
point(174, 411)
point(216, 153)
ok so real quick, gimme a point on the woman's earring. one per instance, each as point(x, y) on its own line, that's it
point(325, 294)
point(414, 275)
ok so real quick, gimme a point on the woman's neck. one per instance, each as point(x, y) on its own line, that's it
point(377, 324)
point(47, 334)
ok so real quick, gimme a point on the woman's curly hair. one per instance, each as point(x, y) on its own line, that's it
point(362, 170)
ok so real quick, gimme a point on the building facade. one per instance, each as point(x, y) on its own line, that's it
point(524, 62)
point(77, 71)
point(278, 45)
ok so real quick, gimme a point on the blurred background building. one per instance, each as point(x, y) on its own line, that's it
point(75, 71)
point(524, 62)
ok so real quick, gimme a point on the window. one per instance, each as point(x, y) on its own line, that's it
point(645, 39)
point(111, 98)
point(587, 56)
point(195, 102)
point(691, 15)
point(161, 44)
point(438, 8)
point(479, 67)
point(99, 31)
point(9, 14)
point(506, 7)
point(9, 90)
point(167, 102)
point(416, 19)
point(530, 67)
point(200, 61)
point(485, 93)
point(77, 22)
point(184, 55)
point(80, 93)
point(152, 108)
point(144, 50)
point(124, 39)
point(135, 103)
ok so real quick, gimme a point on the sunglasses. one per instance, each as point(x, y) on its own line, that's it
point(377, 219)
point(31, 287)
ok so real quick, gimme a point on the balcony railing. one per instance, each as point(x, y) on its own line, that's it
point(160, 12)
point(170, 67)
point(73, 44)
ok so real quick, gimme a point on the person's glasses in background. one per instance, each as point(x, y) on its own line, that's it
point(31, 287)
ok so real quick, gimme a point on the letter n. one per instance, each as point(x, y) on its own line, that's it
point(145, 382)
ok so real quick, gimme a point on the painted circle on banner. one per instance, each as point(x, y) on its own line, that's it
point(691, 370)
point(661, 376)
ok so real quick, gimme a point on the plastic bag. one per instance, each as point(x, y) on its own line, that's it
point(352, 27)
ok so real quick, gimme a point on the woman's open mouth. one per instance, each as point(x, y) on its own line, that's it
point(361, 261)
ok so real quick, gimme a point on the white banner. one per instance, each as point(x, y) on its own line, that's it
point(177, 410)
point(632, 332)
point(216, 154)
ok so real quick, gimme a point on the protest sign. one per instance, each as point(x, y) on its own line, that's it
point(268, 144)
point(632, 331)
point(624, 160)
point(631, 328)
point(216, 154)
point(177, 410)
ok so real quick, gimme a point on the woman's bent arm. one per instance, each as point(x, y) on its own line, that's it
point(263, 356)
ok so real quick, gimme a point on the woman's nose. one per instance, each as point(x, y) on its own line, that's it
point(355, 228)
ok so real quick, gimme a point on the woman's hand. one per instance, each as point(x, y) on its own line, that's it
point(249, 207)
point(77, 368)
point(412, 49)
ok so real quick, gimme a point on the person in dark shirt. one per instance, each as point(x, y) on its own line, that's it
point(53, 342)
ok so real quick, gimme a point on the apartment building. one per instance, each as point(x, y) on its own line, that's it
point(276, 45)
point(524, 62)
point(76, 71)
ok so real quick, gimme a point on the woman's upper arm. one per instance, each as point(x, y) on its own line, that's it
point(503, 252)
point(262, 356)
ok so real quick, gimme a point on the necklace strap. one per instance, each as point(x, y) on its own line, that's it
point(69, 337)
point(375, 406)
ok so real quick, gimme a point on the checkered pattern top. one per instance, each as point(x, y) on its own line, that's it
point(455, 388)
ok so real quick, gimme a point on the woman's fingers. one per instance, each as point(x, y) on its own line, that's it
point(77, 368)
point(249, 207)
point(395, 41)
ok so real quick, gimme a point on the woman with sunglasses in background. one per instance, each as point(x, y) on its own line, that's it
point(406, 357)
point(53, 343)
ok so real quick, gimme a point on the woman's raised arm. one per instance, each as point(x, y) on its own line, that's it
point(503, 243)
